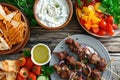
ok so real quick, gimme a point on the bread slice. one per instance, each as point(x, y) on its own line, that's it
point(3, 44)
point(9, 66)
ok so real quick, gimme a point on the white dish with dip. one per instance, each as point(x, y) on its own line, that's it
point(53, 13)
point(40, 54)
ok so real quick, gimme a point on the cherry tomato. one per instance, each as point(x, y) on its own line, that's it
point(101, 32)
point(31, 76)
point(19, 77)
point(24, 72)
point(29, 63)
point(109, 19)
point(95, 29)
point(82, 21)
point(102, 24)
point(115, 26)
point(36, 69)
point(22, 61)
point(110, 30)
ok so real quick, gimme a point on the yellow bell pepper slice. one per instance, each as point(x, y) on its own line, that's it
point(97, 5)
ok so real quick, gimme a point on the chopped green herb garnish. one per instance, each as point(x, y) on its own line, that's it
point(80, 4)
point(47, 70)
point(26, 53)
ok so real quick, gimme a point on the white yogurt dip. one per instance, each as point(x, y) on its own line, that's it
point(52, 13)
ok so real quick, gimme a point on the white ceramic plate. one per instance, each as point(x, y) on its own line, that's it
point(84, 40)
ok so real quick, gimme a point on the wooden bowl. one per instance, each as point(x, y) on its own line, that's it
point(58, 27)
point(117, 31)
point(16, 48)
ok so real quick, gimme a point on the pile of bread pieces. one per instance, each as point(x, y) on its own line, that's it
point(9, 69)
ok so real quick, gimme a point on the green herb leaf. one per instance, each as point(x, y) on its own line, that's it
point(80, 4)
point(26, 53)
point(47, 70)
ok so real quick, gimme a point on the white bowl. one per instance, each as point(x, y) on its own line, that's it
point(49, 54)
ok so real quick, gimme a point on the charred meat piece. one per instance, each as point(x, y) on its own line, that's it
point(57, 68)
point(74, 76)
point(69, 41)
point(63, 72)
point(73, 45)
point(101, 64)
point(78, 65)
point(78, 78)
point(87, 70)
point(96, 74)
point(61, 55)
point(70, 60)
point(94, 58)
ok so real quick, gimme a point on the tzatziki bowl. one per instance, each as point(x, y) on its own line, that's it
point(53, 14)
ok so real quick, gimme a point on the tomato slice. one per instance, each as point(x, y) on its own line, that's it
point(110, 30)
point(95, 29)
point(101, 32)
point(102, 24)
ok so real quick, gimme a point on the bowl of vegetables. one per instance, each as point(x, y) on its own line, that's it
point(99, 17)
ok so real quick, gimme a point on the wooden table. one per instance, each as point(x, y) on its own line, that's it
point(52, 38)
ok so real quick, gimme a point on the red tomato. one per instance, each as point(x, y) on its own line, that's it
point(22, 61)
point(36, 69)
point(115, 26)
point(109, 19)
point(31, 76)
point(102, 24)
point(29, 63)
point(110, 30)
point(102, 32)
point(24, 72)
point(95, 29)
point(19, 77)
point(82, 22)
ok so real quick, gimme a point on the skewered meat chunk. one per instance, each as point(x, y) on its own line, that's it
point(61, 55)
point(70, 60)
point(74, 76)
point(87, 70)
point(57, 68)
point(96, 74)
point(63, 72)
point(73, 45)
point(79, 65)
point(94, 58)
point(101, 64)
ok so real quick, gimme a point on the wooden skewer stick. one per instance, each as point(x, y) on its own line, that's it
point(112, 60)
point(111, 70)
point(68, 35)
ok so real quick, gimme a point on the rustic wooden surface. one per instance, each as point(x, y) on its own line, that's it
point(52, 38)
